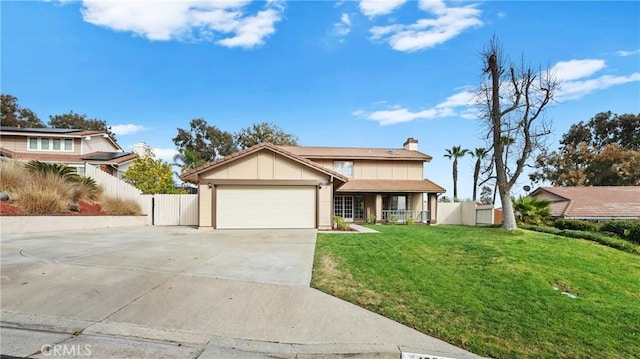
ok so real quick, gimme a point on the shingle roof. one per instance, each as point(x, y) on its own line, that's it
point(353, 153)
point(357, 185)
point(594, 202)
point(192, 174)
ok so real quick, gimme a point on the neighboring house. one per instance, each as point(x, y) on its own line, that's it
point(69, 147)
point(268, 186)
point(600, 203)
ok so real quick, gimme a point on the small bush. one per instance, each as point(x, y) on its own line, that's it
point(612, 242)
point(86, 188)
point(576, 225)
point(410, 221)
point(371, 219)
point(121, 207)
point(68, 173)
point(341, 224)
point(627, 229)
point(41, 201)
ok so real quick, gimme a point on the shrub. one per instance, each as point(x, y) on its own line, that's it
point(40, 201)
point(121, 207)
point(612, 242)
point(531, 210)
point(627, 229)
point(371, 219)
point(341, 224)
point(68, 173)
point(576, 225)
point(12, 176)
point(86, 188)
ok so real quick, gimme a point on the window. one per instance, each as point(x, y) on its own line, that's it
point(344, 168)
point(50, 144)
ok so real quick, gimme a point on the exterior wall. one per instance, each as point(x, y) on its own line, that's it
point(433, 208)
point(379, 169)
point(95, 144)
point(264, 165)
point(14, 143)
point(205, 207)
point(558, 204)
point(417, 202)
point(325, 207)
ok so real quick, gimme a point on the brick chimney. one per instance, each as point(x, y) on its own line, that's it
point(411, 144)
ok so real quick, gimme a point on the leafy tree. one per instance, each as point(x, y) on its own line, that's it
point(603, 152)
point(454, 153)
point(514, 99)
point(606, 128)
point(81, 122)
point(150, 175)
point(531, 210)
point(12, 115)
point(486, 195)
point(208, 142)
point(479, 154)
point(264, 132)
point(187, 160)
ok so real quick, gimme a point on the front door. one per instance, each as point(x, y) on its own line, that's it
point(343, 207)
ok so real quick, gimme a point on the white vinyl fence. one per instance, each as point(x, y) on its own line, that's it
point(161, 209)
point(171, 209)
point(113, 186)
point(467, 214)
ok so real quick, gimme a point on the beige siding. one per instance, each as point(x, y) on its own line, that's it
point(263, 165)
point(13, 143)
point(399, 170)
point(96, 143)
point(416, 202)
point(325, 206)
point(205, 215)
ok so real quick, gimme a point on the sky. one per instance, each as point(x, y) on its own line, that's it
point(335, 73)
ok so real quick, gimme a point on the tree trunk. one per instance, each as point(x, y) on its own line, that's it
point(455, 179)
point(476, 174)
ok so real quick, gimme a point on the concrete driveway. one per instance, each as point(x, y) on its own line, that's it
point(178, 292)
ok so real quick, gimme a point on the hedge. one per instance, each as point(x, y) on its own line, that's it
point(612, 242)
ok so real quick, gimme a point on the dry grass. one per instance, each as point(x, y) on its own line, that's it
point(12, 176)
point(121, 207)
point(40, 201)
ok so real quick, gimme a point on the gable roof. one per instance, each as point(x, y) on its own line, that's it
point(357, 153)
point(192, 175)
point(598, 202)
point(56, 132)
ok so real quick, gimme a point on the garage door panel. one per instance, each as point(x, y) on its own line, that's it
point(266, 207)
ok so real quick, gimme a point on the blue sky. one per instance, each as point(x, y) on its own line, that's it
point(335, 73)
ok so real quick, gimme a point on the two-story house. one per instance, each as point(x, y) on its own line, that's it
point(268, 186)
point(70, 147)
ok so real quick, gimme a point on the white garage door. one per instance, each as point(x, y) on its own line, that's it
point(266, 207)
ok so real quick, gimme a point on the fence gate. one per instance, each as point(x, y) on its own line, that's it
point(172, 209)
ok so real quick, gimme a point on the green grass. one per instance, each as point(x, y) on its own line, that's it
point(490, 291)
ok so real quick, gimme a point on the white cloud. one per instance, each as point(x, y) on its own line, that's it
point(572, 90)
point(165, 154)
point(629, 53)
point(447, 108)
point(448, 23)
point(373, 8)
point(127, 129)
point(343, 27)
point(576, 69)
point(207, 20)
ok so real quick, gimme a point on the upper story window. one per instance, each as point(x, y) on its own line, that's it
point(344, 168)
point(50, 144)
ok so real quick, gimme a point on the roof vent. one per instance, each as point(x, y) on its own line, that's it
point(392, 152)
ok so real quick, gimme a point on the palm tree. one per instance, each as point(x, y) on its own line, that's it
point(454, 153)
point(479, 154)
point(187, 159)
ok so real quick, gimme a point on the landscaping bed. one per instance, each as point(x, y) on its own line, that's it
point(495, 293)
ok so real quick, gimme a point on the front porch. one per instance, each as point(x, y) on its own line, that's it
point(395, 207)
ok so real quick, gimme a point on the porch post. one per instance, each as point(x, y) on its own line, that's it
point(378, 208)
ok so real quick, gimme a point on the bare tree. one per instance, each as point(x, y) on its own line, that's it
point(515, 99)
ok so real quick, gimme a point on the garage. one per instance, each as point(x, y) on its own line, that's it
point(246, 207)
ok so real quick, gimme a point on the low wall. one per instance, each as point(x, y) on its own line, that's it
point(35, 224)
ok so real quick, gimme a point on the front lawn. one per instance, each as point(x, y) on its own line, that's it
point(490, 291)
